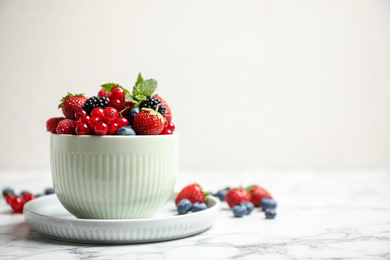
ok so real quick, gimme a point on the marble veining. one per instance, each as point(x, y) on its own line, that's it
point(321, 215)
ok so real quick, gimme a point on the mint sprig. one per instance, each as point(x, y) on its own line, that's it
point(141, 90)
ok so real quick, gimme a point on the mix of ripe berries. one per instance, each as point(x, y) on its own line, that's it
point(115, 111)
point(241, 201)
point(17, 202)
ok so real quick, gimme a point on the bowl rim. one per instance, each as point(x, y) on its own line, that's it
point(116, 136)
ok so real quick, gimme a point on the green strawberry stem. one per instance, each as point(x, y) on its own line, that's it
point(250, 188)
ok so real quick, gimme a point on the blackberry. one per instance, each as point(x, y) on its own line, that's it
point(152, 102)
point(93, 102)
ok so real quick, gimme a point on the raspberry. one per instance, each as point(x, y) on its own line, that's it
point(93, 102)
point(52, 123)
point(65, 127)
point(103, 93)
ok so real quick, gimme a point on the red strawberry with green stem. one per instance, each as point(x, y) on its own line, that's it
point(148, 122)
point(193, 193)
point(257, 194)
point(236, 196)
point(72, 103)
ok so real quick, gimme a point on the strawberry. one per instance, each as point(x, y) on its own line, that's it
point(65, 127)
point(148, 122)
point(258, 193)
point(168, 114)
point(236, 196)
point(72, 103)
point(192, 192)
point(51, 124)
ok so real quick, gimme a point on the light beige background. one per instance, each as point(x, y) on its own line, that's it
point(252, 84)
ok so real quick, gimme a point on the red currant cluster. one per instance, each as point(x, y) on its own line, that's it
point(17, 202)
point(100, 121)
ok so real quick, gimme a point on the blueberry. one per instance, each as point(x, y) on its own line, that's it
point(184, 206)
point(49, 191)
point(8, 191)
point(239, 210)
point(39, 195)
point(267, 204)
point(270, 213)
point(221, 194)
point(132, 113)
point(249, 207)
point(198, 206)
point(126, 130)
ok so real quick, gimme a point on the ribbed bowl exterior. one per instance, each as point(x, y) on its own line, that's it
point(114, 177)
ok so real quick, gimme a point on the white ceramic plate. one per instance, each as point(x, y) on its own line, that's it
point(50, 219)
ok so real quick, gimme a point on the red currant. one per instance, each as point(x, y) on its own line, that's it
point(171, 126)
point(97, 111)
point(28, 196)
point(75, 122)
point(110, 114)
point(8, 198)
point(166, 131)
point(103, 93)
point(113, 127)
point(117, 104)
point(122, 121)
point(92, 122)
point(80, 113)
point(84, 119)
point(16, 204)
point(82, 129)
point(117, 93)
point(101, 128)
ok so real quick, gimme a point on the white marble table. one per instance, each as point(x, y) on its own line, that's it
point(321, 215)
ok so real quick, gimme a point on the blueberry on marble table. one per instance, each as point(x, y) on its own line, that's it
point(270, 213)
point(49, 191)
point(239, 210)
point(268, 204)
point(221, 194)
point(184, 206)
point(249, 207)
point(8, 191)
point(198, 206)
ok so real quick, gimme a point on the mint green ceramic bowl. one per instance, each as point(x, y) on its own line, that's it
point(114, 177)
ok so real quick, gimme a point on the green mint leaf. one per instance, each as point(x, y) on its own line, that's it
point(130, 98)
point(137, 90)
point(139, 79)
point(148, 87)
